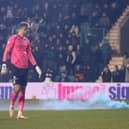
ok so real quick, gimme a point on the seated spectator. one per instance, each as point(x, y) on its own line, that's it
point(62, 75)
point(61, 55)
point(88, 74)
point(79, 76)
point(48, 76)
point(104, 21)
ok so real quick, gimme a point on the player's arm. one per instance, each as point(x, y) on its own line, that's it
point(6, 53)
point(33, 61)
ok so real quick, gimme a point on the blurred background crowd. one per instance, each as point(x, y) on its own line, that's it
point(65, 37)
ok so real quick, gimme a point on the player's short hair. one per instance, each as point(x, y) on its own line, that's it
point(23, 24)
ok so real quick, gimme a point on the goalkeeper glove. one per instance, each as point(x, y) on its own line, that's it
point(4, 69)
point(38, 70)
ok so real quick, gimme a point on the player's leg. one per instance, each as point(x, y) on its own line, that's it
point(21, 101)
point(13, 98)
point(16, 89)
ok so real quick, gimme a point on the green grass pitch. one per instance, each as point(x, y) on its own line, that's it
point(85, 119)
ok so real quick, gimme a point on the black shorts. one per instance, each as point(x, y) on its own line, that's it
point(19, 76)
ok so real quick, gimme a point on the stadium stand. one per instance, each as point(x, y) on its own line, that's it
point(65, 35)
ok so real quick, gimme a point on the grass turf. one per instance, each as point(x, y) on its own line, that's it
point(88, 119)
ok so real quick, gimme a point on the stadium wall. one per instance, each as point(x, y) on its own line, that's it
point(124, 36)
point(70, 91)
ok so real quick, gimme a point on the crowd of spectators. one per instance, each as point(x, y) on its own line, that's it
point(118, 73)
point(115, 75)
point(56, 36)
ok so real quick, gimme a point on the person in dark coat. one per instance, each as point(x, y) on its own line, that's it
point(126, 65)
point(115, 74)
point(106, 75)
point(121, 73)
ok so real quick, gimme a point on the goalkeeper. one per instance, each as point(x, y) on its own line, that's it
point(18, 47)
